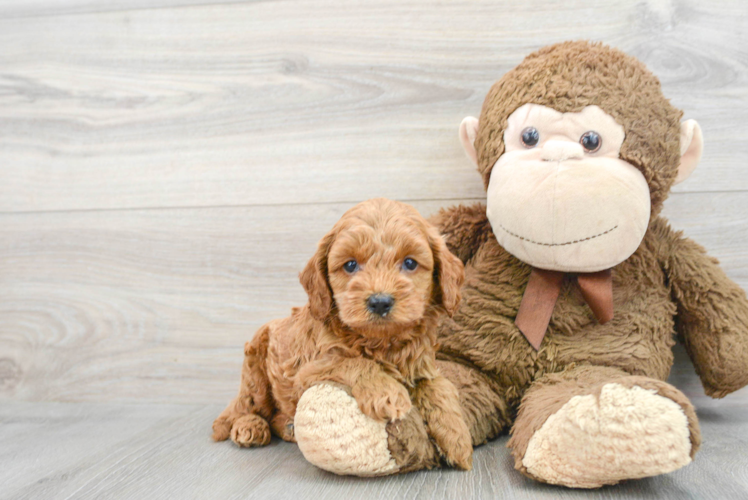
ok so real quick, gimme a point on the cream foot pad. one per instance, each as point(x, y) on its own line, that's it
point(627, 433)
point(334, 435)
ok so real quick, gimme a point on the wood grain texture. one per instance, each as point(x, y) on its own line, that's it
point(167, 167)
point(303, 101)
point(14, 9)
point(106, 450)
point(154, 305)
point(147, 305)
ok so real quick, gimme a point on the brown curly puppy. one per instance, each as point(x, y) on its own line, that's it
point(377, 284)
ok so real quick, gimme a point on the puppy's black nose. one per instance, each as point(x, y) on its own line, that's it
point(380, 303)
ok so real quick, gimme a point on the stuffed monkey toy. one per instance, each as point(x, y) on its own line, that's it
point(576, 288)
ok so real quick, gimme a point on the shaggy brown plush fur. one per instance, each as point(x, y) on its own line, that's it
point(572, 75)
point(668, 286)
point(387, 361)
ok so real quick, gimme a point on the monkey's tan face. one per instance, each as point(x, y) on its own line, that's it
point(560, 197)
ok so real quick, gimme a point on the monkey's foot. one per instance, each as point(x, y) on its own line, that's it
point(619, 433)
point(336, 436)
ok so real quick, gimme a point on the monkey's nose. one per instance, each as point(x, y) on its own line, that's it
point(380, 303)
point(561, 151)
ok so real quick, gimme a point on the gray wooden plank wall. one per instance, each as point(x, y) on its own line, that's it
point(167, 166)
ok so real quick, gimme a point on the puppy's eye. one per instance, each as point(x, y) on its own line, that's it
point(530, 137)
point(591, 141)
point(351, 266)
point(410, 264)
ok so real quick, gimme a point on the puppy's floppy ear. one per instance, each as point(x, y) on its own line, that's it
point(449, 273)
point(314, 279)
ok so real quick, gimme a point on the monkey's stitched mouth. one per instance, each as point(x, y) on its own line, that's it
point(557, 244)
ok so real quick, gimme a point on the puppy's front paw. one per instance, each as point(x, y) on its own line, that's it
point(460, 453)
point(439, 403)
point(250, 430)
point(452, 437)
point(382, 401)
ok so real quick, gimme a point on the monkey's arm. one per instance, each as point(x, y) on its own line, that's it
point(465, 228)
point(712, 312)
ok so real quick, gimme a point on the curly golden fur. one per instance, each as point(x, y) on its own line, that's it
point(387, 360)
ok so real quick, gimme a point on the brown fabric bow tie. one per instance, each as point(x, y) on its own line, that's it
point(542, 291)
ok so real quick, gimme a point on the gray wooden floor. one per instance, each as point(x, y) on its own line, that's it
point(167, 167)
point(114, 450)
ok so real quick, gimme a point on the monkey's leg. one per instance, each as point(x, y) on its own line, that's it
point(245, 418)
point(335, 435)
point(590, 426)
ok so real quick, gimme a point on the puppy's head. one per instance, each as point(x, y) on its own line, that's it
point(381, 268)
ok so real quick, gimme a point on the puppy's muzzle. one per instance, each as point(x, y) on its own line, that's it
point(380, 304)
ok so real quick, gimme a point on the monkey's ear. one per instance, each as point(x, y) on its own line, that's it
point(691, 147)
point(314, 280)
point(468, 132)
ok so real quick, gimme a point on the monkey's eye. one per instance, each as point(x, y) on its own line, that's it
point(591, 141)
point(351, 266)
point(410, 264)
point(530, 137)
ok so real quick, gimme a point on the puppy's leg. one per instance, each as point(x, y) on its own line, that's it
point(254, 403)
point(282, 426)
point(379, 396)
point(439, 404)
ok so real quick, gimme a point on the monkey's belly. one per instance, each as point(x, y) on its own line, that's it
point(638, 339)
